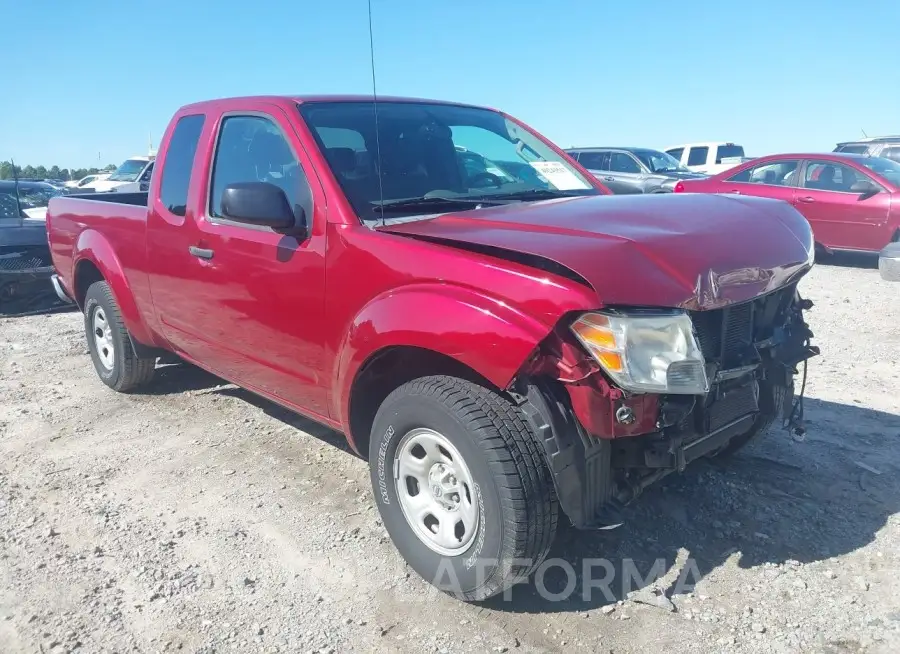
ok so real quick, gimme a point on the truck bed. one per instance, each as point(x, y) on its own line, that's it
point(76, 221)
point(136, 199)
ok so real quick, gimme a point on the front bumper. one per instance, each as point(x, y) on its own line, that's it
point(889, 263)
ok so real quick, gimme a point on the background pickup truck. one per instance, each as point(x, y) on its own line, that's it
point(459, 298)
point(709, 158)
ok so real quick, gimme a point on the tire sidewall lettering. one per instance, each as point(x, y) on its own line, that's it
point(472, 559)
point(382, 459)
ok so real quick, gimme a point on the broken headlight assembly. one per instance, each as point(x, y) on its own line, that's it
point(645, 351)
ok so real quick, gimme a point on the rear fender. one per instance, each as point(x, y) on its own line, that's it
point(92, 246)
point(480, 331)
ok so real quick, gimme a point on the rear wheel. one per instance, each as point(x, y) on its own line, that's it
point(461, 487)
point(111, 350)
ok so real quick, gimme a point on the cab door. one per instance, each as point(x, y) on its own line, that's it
point(242, 300)
point(625, 173)
point(598, 164)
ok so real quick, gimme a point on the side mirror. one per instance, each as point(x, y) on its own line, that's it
point(261, 203)
point(864, 187)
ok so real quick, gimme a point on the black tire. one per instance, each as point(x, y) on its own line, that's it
point(518, 509)
point(760, 427)
point(128, 371)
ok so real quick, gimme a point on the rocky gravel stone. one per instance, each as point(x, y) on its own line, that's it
point(126, 527)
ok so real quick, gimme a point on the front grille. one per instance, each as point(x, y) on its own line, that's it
point(731, 405)
point(726, 335)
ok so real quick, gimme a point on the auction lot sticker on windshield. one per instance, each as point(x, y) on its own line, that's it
point(558, 175)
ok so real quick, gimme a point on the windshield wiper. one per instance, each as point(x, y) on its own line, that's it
point(535, 194)
point(432, 203)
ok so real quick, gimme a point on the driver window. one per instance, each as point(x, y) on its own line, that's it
point(253, 149)
point(623, 163)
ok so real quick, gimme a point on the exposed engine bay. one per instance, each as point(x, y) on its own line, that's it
point(605, 445)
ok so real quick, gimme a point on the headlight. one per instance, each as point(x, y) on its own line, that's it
point(645, 353)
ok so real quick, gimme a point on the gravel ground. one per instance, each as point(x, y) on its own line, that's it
point(196, 517)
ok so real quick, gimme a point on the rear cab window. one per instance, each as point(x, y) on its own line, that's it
point(727, 151)
point(176, 170)
point(676, 153)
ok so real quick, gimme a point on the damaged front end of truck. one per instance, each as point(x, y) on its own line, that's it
point(620, 398)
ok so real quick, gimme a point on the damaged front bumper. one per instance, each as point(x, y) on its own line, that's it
point(604, 446)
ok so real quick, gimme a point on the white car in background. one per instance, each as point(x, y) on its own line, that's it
point(131, 176)
point(711, 158)
point(86, 181)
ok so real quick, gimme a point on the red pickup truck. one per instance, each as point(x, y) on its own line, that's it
point(461, 299)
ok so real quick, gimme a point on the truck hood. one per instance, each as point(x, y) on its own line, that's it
point(691, 251)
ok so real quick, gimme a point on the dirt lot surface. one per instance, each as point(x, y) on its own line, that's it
point(195, 517)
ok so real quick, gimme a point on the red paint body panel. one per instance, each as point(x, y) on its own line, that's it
point(296, 321)
point(839, 220)
point(691, 251)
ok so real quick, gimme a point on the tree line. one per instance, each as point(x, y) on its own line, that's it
point(53, 172)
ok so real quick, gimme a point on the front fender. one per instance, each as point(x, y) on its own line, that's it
point(92, 246)
point(470, 326)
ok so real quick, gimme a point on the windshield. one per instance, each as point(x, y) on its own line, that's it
point(128, 171)
point(434, 151)
point(887, 168)
point(659, 162)
point(853, 149)
point(32, 197)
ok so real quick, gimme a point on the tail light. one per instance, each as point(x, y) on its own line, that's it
point(679, 187)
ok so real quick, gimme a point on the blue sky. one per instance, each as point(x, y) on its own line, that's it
point(774, 75)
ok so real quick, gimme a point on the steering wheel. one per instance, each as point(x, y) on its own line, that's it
point(490, 177)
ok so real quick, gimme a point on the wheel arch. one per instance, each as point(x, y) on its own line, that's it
point(386, 370)
point(454, 328)
point(96, 260)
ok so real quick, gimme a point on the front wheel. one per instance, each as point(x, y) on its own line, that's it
point(115, 360)
point(461, 486)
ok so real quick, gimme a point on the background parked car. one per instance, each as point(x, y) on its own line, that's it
point(87, 181)
point(710, 158)
point(878, 146)
point(132, 176)
point(846, 198)
point(633, 170)
point(33, 197)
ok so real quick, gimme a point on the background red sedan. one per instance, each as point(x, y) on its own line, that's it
point(851, 201)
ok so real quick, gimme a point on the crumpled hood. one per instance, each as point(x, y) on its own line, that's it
point(694, 251)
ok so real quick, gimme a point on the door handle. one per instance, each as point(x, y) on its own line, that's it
point(806, 199)
point(200, 252)
point(736, 192)
point(609, 179)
